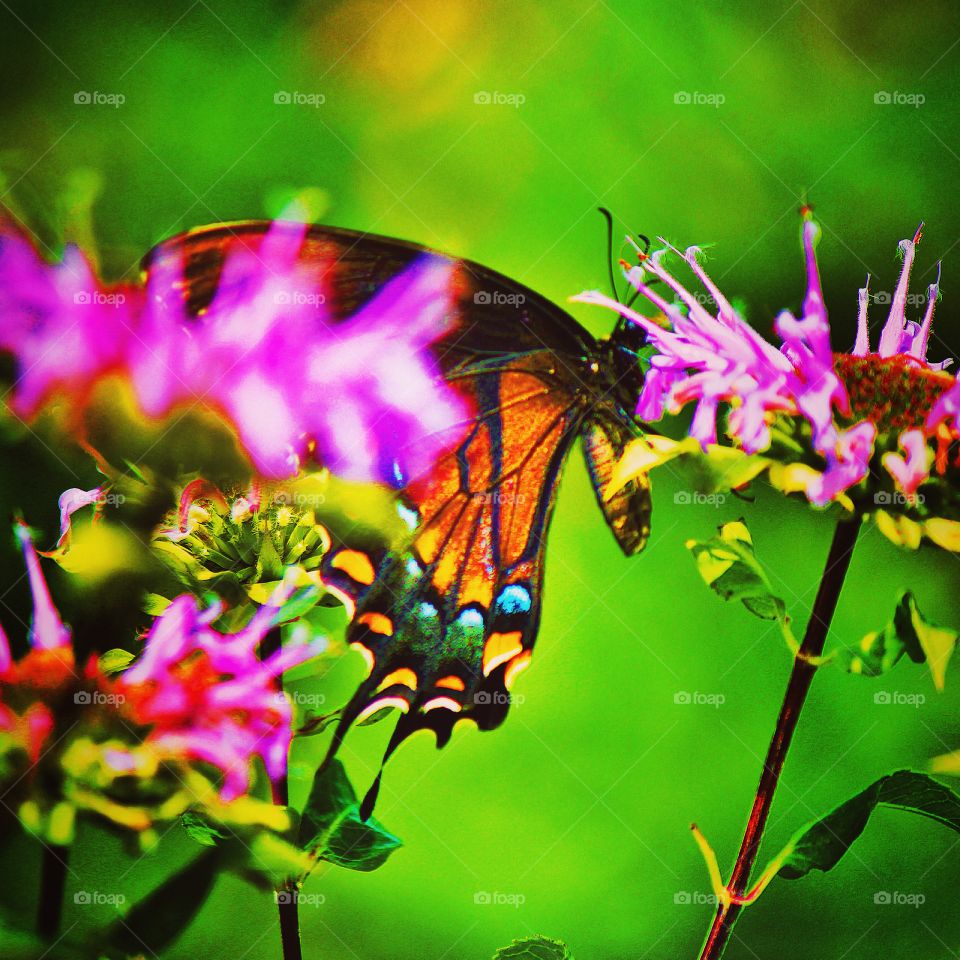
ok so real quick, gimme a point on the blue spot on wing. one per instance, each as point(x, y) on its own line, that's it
point(410, 517)
point(471, 618)
point(514, 599)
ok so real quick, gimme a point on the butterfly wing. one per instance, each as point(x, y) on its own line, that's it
point(495, 316)
point(626, 511)
point(447, 623)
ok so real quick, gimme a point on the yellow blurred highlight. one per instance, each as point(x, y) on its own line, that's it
point(99, 550)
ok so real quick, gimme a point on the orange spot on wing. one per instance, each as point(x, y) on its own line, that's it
point(356, 565)
point(348, 603)
point(382, 704)
point(500, 648)
point(377, 622)
point(367, 655)
point(451, 683)
point(404, 676)
point(516, 666)
point(447, 703)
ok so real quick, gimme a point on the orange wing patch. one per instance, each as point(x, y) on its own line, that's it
point(355, 565)
point(377, 622)
point(499, 648)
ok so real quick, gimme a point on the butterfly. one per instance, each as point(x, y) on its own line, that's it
point(447, 621)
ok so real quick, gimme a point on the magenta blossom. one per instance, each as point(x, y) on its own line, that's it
point(362, 396)
point(194, 694)
point(709, 360)
point(209, 696)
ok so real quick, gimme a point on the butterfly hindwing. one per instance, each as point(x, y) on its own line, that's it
point(627, 511)
point(446, 626)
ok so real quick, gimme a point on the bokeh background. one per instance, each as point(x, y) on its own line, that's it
point(493, 130)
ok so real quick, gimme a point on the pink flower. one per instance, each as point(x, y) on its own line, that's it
point(911, 471)
point(363, 396)
point(195, 694)
point(209, 696)
point(719, 359)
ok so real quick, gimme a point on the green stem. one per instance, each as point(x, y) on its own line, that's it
point(804, 668)
point(53, 884)
point(286, 894)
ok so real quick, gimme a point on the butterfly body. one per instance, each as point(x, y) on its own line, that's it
point(449, 620)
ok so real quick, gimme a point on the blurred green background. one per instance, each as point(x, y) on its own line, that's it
point(705, 122)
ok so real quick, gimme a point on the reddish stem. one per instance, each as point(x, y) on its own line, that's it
point(831, 583)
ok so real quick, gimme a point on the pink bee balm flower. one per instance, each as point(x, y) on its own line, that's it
point(266, 354)
point(854, 411)
point(194, 694)
point(209, 696)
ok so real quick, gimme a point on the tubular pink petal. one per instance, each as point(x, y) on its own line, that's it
point(70, 502)
point(813, 305)
point(725, 308)
point(47, 630)
point(910, 471)
point(6, 658)
point(862, 346)
point(896, 320)
point(919, 349)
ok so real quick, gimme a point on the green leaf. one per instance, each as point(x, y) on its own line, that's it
point(300, 603)
point(730, 567)
point(313, 723)
point(115, 661)
point(157, 920)
point(908, 632)
point(333, 830)
point(200, 830)
point(534, 948)
point(821, 845)
point(154, 604)
point(264, 857)
point(269, 563)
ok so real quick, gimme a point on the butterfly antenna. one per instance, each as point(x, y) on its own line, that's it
point(605, 213)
